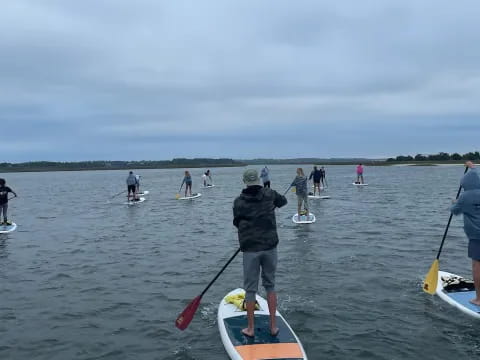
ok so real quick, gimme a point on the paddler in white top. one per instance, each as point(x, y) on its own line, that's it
point(207, 176)
point(137, 177)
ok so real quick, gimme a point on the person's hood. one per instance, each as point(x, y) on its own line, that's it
point(252, 193)
point(471, 181)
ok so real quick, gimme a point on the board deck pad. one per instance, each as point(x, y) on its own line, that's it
point(231, 320)
point(457, 291)
point(463, 298)
point(234, 326)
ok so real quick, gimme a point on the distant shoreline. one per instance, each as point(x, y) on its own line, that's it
point(210, 163)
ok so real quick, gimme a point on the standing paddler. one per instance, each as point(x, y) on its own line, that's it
point(254, 216)
point(468, 204)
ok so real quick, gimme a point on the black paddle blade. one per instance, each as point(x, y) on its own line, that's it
point(187, 315)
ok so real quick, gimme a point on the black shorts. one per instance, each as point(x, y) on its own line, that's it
point(131, 188)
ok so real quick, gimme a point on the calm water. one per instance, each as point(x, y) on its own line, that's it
point(87, 277)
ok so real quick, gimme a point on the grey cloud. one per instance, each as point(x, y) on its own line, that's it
point(202, 73)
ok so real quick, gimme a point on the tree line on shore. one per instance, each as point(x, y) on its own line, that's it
point(117, 165)
point(441, 156)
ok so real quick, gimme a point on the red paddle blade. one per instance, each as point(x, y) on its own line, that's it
point(187, 315)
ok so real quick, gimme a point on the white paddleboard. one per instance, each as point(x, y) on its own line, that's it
point(4, 229)
point(359, 184)
point(231, 321)
point(190, 197)
point(209, 186)
point(455, 291)
point(304, 219)
point(142, 199)
point(318, 197)
point(146, 192)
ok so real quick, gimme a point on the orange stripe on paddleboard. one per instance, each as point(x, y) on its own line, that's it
point(270, 351)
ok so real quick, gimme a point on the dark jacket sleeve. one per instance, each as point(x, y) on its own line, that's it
point(279, 200)
point(236, 214)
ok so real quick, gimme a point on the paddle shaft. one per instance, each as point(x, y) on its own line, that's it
point(119, 193)
point(449, 220)
point(285, 193)
point(220, 272)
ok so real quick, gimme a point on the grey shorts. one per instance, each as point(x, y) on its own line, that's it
point(474, 249)
point(303, 199)
point(252, 262)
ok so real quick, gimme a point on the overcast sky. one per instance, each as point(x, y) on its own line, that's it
point(132, 80)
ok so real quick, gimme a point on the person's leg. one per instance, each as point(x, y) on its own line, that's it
point(269, 267)
point(476, 280)
point(5, 208)
point(305, 204)
point(251, 271)
point(1, 211)
point(361, 179)
point(299, 205)
point(474, 254)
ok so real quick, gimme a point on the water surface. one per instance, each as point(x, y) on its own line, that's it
point(87, 277)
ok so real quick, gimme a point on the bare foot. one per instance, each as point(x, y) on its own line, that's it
point(475, 301)
point(274, 331)
point(248, 332)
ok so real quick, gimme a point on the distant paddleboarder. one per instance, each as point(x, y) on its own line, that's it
point(4, 190)
point(316, 174)
point(265, 176)
point(468, 204)
point(254, 216)
point(359, 174)
point(300, 183)
point(137, 185)
point(323, 178)
point(207, 178)
point(131, 186)
point(187, 180)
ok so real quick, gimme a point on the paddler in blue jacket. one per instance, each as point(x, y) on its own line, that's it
point(468, 204)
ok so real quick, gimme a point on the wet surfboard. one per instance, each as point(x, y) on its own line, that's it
point(359, 184)
point(457, 291)
point(190, 197)
point(318, 197)
point(142, 199)
point(146, 192)
point(4, 229)
point(304, 219)
point(231, 321)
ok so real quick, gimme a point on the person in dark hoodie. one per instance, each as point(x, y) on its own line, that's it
point(468, 204)
point(4, 190)
point(254, 216)
point(317, 177)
